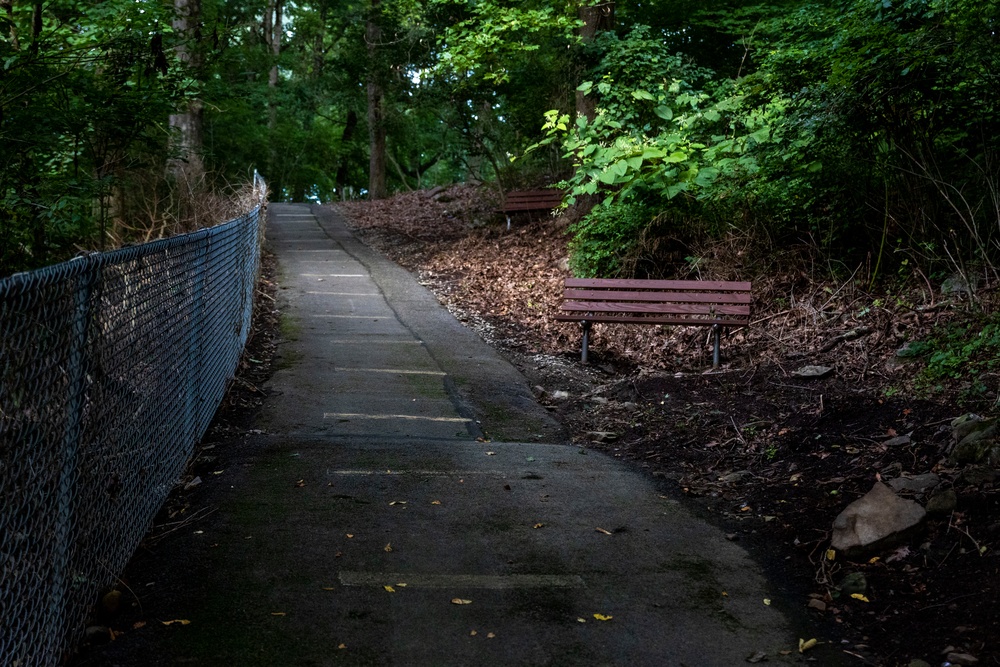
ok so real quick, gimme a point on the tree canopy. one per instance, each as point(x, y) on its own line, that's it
point(866, 128)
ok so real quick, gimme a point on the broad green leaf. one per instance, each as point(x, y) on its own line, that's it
point(642, 95)
point(664, 112)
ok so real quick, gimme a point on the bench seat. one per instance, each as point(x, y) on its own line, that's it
point(526, 201)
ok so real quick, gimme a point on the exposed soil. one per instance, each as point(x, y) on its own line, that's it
point(775, 458)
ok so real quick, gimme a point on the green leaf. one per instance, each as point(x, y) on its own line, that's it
point(676, 156)
point(664, 112)
point(585, 87)
point(642, 95)
point(635, 162)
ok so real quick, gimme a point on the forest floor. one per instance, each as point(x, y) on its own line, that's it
point(771, 456)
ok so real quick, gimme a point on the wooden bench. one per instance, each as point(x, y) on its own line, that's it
point(526, 201)
point(707, 303)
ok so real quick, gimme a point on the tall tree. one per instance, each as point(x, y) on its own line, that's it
point(376, 105)
point(188, 166)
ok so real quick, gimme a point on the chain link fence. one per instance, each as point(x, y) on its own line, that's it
point(111, 368)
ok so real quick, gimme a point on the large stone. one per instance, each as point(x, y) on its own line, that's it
point(874, 519)
point(977, 442)
point(919, 484)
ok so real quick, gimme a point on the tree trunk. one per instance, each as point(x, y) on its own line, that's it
point(186, 125)
point(8, 8)
point(272, 33)
point(376, 121)
point(595, 19)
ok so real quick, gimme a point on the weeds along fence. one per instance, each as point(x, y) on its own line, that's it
point(111, 368)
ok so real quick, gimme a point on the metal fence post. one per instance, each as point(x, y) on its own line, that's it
point(76, 371)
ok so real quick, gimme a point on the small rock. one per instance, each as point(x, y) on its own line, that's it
point(918, 663)
point(978, 475)
point(853, 582)
point(942, 502)
point(602, 436)
point(955, 284)
point(812, 372)
point(539, 391)
point(962, 659)
point(735, 477)
point(600, 400)
point(877, 517)
point(897, 441)
point(818, 605)
point(759, 656)
point(97, 634)
point(630, 406)
point(560, 395)
point(915, 483)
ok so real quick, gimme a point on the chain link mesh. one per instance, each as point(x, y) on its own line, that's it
point(111, 368)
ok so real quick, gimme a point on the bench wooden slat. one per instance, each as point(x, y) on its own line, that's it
point(680, 321)
point(669, 285)
point(681, 297)
point(674, 308)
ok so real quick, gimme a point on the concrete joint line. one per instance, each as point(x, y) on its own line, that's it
point(351, 415)
point(460, 581)
point(398, 371)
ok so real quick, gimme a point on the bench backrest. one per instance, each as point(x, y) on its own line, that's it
point(658, 301)
point(529, 200)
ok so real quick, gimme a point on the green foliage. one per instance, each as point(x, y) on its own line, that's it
point(605, 236)
point(964, 353)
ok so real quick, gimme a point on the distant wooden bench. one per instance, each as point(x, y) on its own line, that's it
point(707, 303)
point(526, 201)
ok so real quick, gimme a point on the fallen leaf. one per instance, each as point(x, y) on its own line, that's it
point(350, 535)
point(398, 502)
point(539, 525)
point(342, 646)
point(491, 453)
point(831, 554)
point(805, 645)
point(401, 584)
point(278, 613)
point(138, 624)
point(389, 589)
point(601, 530)
point(581, 620)
point(177, 621)
point(490, 635)
point(387, 548)
point(602, 617)
point(767, 601)
point(473, 633)
point(328, 588)
point(435, 502)
point(859, 596)
point(460, 601)
point(300, 483)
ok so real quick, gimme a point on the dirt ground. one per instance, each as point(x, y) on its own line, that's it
point(771, 456)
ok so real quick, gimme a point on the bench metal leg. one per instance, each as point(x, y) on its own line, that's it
point(586, 340)
point(716, 334)
point(508, 223)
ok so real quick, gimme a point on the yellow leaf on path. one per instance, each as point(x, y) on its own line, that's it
point(138, 624)
point(350, 535)
point(831, 554)
point(435, 502)
point(389, 589)
point(490, 635)
point(859, 596)
point(387, 548)
point(767, 601)
point(278, 613)
point(602, 617)
point(328, 588)
point(581, 620)
point(398, 502)
point(177, 621)
point(401, 585)
point(473, 633)
point(601, 530)
point(538, 525)
point(806, 645)
point(491, 453)
point(460, 601)
point(874, 560)
point(342, 646)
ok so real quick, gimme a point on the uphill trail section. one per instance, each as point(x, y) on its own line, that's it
point(404, 500)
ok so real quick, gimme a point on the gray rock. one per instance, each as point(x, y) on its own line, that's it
point(560, 395)
point(915, 483)
point(956, 284)
point(734, 477)
point(897, 441)
point(919, 663)
point(976, 442)
point(877, 517)
point(942, 502)
point(812, 372)
point(978, 475)
point(962, 426)
point(962, 659)
point(818, 605)
point(602, 436)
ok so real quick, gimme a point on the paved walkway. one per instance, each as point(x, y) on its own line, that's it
point(368, 525)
